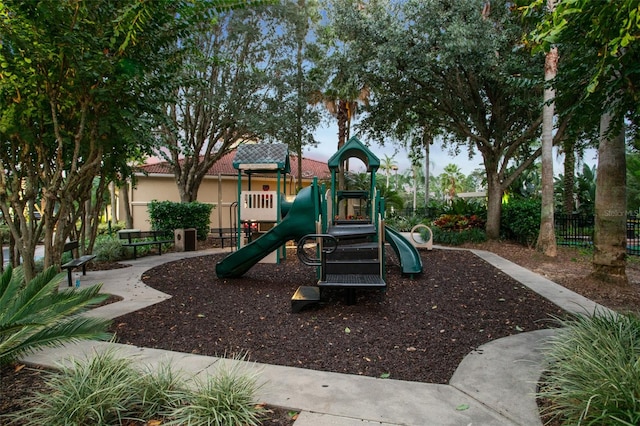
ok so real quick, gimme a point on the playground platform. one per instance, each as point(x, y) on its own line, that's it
point(494, 385)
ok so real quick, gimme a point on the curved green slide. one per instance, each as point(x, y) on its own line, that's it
point(299, 221)
point(410, 259)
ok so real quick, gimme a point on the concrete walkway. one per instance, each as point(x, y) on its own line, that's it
point(494, 385)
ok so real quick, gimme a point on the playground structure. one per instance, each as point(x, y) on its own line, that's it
point(343, 228)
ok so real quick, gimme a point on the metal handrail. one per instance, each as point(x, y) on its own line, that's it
point(324, 248)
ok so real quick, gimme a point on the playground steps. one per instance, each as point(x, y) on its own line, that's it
point(308, 295)
point(352, 282)
point(367, 250)
point(304, 296)
point(361, 281)
point(352, 262)
point(352, 231)
point(347, 274)
point(353, 266)
point(360, 258)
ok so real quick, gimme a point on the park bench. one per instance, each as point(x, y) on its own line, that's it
point(135, 239)
point(231, 234)
point(224, 234)
point(77, 261)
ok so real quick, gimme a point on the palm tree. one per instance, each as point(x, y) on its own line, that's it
point(609, 235)
point(572, 147)
point(360, 181)
point(451, 180)
point(36, 314)
point(392, 199)
point(547, 237)
point(343, 102)
point(585, 188)
point(387, 166)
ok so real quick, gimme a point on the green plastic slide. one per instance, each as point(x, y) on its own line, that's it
point(409, 257)
point(299, 221)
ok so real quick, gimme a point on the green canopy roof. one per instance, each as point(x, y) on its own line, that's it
point(261, 157)
point(355, 148)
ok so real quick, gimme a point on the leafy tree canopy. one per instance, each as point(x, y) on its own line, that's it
point(81, 86)
point(455, 68)
point(602, 41)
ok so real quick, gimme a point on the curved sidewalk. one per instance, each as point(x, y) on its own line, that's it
point(494, 385)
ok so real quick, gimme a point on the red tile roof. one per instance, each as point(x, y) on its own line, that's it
point(224, 166)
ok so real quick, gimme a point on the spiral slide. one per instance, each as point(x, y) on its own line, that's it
point(299, 221)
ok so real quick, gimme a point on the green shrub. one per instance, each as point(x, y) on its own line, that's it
point(4, 234)
point(159, 392)
point(39, 265)
point(464, 207)
point(458, 222)
point(168, 216)
point(458, 228)
point(520, 220)
point(108, 248)
point(594, 371)
point(458, 237)
point(405, 223)
point(102, 390)
point(110, 228)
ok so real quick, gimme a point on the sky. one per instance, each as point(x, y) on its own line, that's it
point(328, 142)
point(328, 138)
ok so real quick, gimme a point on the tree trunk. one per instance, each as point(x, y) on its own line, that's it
point(547, 236)
point(427, 170)
point(114, 206)
point(299, 182)
point(14, 254)
point(415, 187)
point(126, 205)
point(609, 256)
point(494, 205)
point(185, 190)
point(569, 177)
point(93, 215)
point(300, 103)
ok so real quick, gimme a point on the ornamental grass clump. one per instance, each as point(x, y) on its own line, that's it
point(593, 376)
point(159, 392)
point(108, 390)
point(102, 390)
point(225, 398)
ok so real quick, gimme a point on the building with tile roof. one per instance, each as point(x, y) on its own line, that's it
point(219, 187)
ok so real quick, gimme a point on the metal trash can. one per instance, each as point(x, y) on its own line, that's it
point(185, 239)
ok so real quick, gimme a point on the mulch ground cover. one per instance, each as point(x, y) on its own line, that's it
point(418, 329)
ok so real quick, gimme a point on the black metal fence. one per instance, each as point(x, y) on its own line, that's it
point(571, 229)
point(577, 230)
point(428, 212)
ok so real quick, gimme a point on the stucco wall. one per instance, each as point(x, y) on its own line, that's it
point(163, 188)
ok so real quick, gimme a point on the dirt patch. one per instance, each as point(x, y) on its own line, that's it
point(572, 269)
